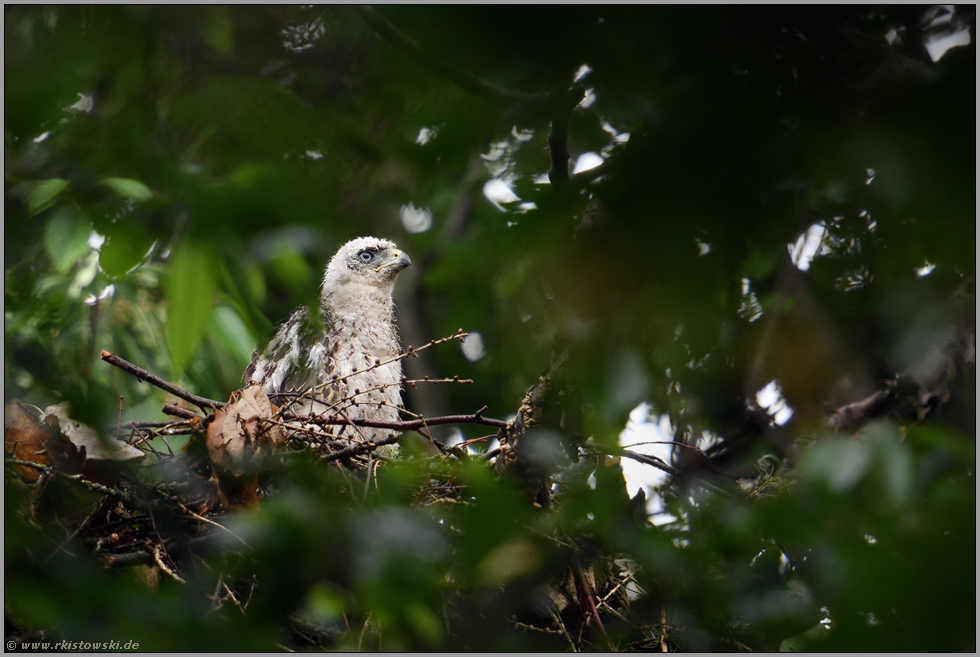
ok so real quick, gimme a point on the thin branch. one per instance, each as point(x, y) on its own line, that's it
point(587, 176)
point(156, 424)
point(409, 351)
point(153, 379)
point(414, 382)
point(406, 425)
point(670, 442)
point(163, 566)
point(589, 595)
point(568, 636)
point(91, 485)
point(563, 103)
point(463, 79)
point(360, 449)
point(177, 411)
point(533, 628)
point(126, 559)
point(660, 464)
point(197, 516)
point(84, 523)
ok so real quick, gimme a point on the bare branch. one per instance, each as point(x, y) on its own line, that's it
point(587, 176)
point(177, 411)
point(562, 106)
point(153, 379)
point(660, 464)
point(857, 413)
point(409, 351)
point(463, 79)
point(91, 485)
point(405, 425)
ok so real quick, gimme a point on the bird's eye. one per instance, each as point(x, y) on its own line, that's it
point(365, 256)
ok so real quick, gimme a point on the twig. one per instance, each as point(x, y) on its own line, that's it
point(675, 443)
point(197, 516)
point(568, 636)
point(153, 379)
point(119, 419)
point(587, 176)
point(409, 351)
point(661, 465)
point(603, 603)
point(651, 460)
point(466, 81)
point(360, 449)
point(251, 590)
point(126, 559)
point(589, 595)
point(562, 106)
point(234, 600)
point(156, 424)
point(406, 425)
point(163, 566)
point(91, 485)
point(61, 547)
point(533, 628)
point(557, 541)
point(177, 411)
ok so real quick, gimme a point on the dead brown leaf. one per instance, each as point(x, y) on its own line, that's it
point(68, 445)
point(238, 437)
point(84, 437)
point(25, 439)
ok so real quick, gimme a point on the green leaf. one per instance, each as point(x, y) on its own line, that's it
point(944, 439)
point(124, 248)
point(228, 328)
point(290, 267)
point(44, 194)
point(190, 288)
point(130, 188)
point(323, 605)
point(835, 462)
point(219, 32)
point(66, 238)
point(425, 622)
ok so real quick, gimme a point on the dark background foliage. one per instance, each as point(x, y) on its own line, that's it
point(225, 153)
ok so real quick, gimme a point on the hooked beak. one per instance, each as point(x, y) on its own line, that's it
point(400, 260)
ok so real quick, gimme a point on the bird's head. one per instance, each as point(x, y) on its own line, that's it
point(364, 265)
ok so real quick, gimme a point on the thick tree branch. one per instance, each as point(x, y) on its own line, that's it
point(558, 146)
point(926, 384)
point(857, 413)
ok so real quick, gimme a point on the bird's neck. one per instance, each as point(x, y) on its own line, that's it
point(354, 304)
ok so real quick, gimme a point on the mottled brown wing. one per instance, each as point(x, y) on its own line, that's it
point(298, 356)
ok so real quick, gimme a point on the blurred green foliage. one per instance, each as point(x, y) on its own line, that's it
point(176, 177)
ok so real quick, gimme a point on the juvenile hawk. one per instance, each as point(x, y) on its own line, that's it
point(355, 332)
